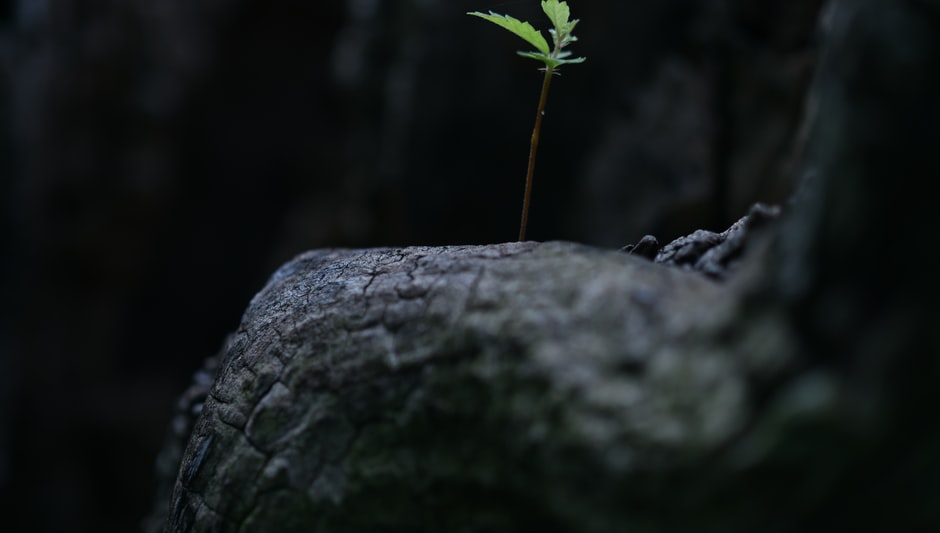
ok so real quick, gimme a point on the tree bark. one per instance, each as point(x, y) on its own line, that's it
point(557, 387)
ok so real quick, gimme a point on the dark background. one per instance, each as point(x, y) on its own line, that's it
point(159, 158)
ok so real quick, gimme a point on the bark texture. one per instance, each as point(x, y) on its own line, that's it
point(558, 387)
point(455, 387)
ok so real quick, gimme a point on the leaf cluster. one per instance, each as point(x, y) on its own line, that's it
point(562, 36)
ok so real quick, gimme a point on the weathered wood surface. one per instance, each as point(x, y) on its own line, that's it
point(476, 373)
point(555, 387)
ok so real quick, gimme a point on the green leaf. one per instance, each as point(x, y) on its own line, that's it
point(553, 62)
point(549, 61)
point(564, 38)
point(558, 12)
point(516, 26)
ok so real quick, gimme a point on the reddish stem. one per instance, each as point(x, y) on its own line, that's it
point(533, 147)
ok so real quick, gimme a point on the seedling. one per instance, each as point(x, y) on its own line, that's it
point(553, 58)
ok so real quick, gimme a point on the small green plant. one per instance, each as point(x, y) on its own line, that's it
point(553, 58)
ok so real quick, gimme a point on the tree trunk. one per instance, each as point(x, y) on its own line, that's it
point(556, 387)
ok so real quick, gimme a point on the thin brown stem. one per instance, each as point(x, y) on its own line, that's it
point(532, 149)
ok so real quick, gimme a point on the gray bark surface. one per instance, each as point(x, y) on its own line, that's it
point(557, 387)
point(465, 368)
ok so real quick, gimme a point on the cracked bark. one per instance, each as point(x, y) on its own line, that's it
point(558, 387)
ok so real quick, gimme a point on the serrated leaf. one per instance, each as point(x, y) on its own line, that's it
point(558, 13)
point(553, 62)
point(544, 58)
point(516, 26)
point(570, 28)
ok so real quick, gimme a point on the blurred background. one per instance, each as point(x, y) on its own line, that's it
point(160, 158)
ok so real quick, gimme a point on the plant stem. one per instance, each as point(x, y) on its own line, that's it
point(532, 149)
